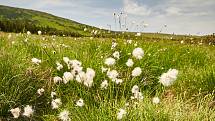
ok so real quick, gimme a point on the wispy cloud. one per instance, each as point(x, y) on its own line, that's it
point(173, 11)
point(135, 8)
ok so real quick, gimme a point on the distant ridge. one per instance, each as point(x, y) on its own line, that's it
point(14, 19)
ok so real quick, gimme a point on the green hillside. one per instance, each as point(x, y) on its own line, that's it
point(24, 19)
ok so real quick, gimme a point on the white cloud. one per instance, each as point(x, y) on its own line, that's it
point(173, 11)
point(132, 7)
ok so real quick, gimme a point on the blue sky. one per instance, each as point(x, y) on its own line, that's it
point(180, 16)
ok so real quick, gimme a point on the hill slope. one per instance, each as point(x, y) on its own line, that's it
point(17, 19)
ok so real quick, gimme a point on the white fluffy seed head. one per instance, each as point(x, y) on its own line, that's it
point(129, 41)
point(116, 54)
point(155, 100)
point(80, 102)
point(112, 74)
point(138, 53)
point(130, 63)
point(67, 76)
point(66, 60)
point(114, 44)
point(28, 111)
point(16, 112)
point(104, 84)
point(119, 81)
point(136, 72)
point(64, 116)
point(56, 103)
point(39, 32)
point(80, 77)
point(28, 33)
point(90, 74)
point(40, 91)
point(36, 61)
point(136, 93)
point(59, 66)
point(57, 79)
point(168, 78)
point(53, 94)
point(120, 114)
point(104, 69)
point(138, 34)
point(135, 89)
point(110, 61)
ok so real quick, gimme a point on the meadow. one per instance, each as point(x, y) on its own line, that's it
point(51, 78)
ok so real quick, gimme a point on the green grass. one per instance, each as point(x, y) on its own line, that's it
point(187, 99)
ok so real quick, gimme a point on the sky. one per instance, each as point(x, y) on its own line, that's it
point(166, 16)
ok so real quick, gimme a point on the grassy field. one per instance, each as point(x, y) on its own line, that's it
point(190, 97)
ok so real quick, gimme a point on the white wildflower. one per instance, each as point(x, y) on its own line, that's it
point(90, 74)
point(155, 100)
point(28, 33)
point(119, 81)
point(138, 34)
point(80, 102)
point(121, 113)
point(64, 116)
point(104, 84)
point(67, 76)
point(136, 93)
point(59, 66)
point(116, 54)
point(66, 60)
point(136, 72)
point(169, 77)
point(130, 63)
point(138, 53)
point(114, 44)
point(110, 61)
point(28, 111)
point(53, 94)
point(129, 41)
point(15, 112)
point(74, 63)
point(104, 69)
point(39, 32)
point(56, 103)
point(40, 91)
point(76, 70)
point(36, 61)
point(112, 74)
point(80, 77)
point(135, 89)
point(57, 79)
